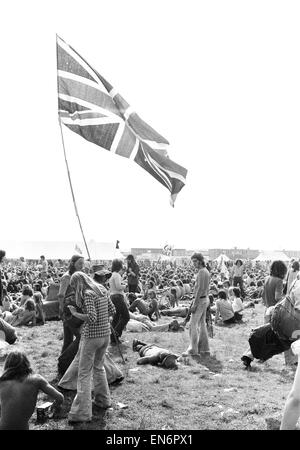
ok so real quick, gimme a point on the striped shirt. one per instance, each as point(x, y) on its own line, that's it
point(98, 310)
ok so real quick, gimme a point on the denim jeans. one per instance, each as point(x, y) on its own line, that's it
point(121, 316)
point(238, 281)
point(69, 380)
point(69, 334)
point(66, 358)
point(91, 364)
point(198, 330)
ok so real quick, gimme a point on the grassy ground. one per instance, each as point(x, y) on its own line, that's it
point(213, 394)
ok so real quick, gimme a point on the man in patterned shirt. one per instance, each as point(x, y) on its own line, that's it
point(97, 307)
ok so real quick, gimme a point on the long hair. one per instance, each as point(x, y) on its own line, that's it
point(81, 282)
point(2, 254)
point(16, 367)
point(117, 265)
point(278, 269)
point(73, 260)
point(130, 259)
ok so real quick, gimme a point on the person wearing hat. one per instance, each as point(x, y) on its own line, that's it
point(102, 276)
point(198, 331)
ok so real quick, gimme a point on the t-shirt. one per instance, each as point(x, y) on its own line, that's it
point(237, 304)
point(202, 283)
point(238, 271)
point(44, 265)
point(225, 309)
point(115, 284)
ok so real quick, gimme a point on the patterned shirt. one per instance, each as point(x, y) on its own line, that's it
point(98, 310)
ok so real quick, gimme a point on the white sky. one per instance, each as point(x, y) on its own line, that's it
point(219, 79)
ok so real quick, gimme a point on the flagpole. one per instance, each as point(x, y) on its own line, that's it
point(70, 181)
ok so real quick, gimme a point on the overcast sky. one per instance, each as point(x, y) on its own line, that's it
point(219, 79)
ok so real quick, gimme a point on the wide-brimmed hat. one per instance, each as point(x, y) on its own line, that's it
point(103, 273)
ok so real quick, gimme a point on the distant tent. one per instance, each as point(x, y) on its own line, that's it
point(222, 257)
point(59, 249)
point(105, 251)
point(272, 256)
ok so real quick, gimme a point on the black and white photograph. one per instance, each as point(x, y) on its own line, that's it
point(149, 241)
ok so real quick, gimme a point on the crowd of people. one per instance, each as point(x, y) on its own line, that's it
point(97, 306)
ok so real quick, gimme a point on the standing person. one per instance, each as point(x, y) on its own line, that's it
point(23, 264)
point(273, 286)
point(198, 331)
point(238, 272)
point(44, 269)
point(97, 307)
point(133, 273)
point(2, 256)
point(117, 288)
point(292, 274)
point(71, 325)
point(19, 389)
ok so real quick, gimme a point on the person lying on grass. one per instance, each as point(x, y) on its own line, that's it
point(19, 388)
point(152, 354)
point(139, 323)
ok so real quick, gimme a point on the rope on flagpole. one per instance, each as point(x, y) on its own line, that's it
point(70, 181)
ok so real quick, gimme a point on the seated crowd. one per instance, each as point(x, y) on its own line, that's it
point(157, 290)
point(96, 306)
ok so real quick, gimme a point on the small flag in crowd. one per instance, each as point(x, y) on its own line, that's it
point(167, 250)
point(78, 249)
point(91, 107)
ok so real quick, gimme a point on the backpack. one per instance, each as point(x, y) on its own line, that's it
point(285, 319)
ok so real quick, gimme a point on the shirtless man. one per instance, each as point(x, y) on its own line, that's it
point(19, 389)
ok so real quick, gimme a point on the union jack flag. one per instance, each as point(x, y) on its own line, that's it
point(92, 108)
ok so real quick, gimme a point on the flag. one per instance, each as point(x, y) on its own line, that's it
point(92, 108)
point(167, 250)
point(78, 249)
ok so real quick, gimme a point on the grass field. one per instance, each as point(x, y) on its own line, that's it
point(215, 394)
